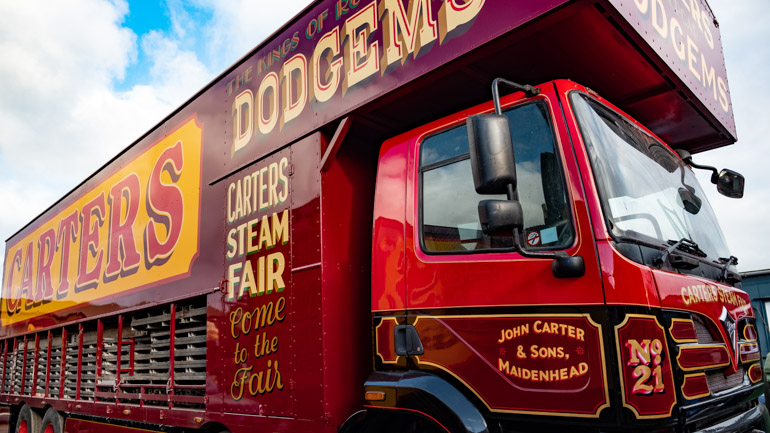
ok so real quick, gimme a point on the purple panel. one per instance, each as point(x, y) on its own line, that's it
point(351, 48)
point(684, 33)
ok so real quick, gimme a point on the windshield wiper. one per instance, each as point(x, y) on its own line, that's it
point(679, 261)
point(728, 275)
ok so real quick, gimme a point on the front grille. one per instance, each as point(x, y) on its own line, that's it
point(718, 382)
point(704, 335)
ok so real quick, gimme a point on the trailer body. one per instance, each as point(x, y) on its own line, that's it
point(263, 257)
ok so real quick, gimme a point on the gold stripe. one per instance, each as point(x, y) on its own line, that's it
point(377, 340)
point(744, 332)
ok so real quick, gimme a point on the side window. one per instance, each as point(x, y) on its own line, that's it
point(449, 215)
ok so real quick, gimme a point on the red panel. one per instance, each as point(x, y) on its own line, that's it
point(532, 364)
point(388, 264)
point(384, 334)
point(307, 381)
point(702, 357)
point(749, 352)
point(695, 386)
point(645, 367)
point(625, 282)
point(755, 373)
point(750, 333)
point(683, 331)
point(347, 195)
point(254, 339)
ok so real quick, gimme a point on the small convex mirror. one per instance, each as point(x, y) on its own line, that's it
point(489, 139)
point(730, 183)
point(500, 217)
point(690, 201)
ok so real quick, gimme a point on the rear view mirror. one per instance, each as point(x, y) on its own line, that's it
point(690, 201)
point(730, 183)
point(489, 139)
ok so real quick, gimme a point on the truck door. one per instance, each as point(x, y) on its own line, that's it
point(489, 319)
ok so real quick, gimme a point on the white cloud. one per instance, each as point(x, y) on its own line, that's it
point(60, 115)
point(237, 26)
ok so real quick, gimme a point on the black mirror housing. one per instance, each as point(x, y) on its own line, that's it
point(491, 150)
point(568, 266)
point(500, 217)
point(691, 202)
point(730, 183)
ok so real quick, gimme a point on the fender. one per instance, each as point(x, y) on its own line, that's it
point(428, 395)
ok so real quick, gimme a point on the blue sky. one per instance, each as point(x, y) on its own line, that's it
point(143, 17)
point(84, 78)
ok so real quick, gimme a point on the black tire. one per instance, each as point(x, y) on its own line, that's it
point(28, 421)
point(52, 422)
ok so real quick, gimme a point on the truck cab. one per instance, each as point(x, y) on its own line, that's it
point(652, 331)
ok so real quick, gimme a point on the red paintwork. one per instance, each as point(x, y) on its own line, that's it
point(682, 331)
point(388, 265)
point(384, 335)
point(34, 370)
point(750, 333)
point(546, 364)
point(755, 373)
point(645, 367)
point(698, 358)
point(695, 386)
point(749, 352)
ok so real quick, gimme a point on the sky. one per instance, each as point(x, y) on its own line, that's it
point(82, 79)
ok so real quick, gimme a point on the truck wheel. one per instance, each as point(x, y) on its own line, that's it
point(52, 422)
point(28, 422)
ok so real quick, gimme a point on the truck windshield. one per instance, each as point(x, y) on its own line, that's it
point(648, 194)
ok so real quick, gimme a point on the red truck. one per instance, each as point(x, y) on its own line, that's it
point(347, 231)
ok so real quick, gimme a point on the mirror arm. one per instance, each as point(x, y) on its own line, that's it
point(714, 171)
point(687, 158)
point(528, 90)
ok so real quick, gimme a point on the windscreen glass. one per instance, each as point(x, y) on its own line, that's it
point(647, 192)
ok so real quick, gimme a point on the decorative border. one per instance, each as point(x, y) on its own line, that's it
point(745, 337)
point(620, 366)
point(377, 340)
point(752, 367)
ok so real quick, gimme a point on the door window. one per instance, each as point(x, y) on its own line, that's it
point(449, 215)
